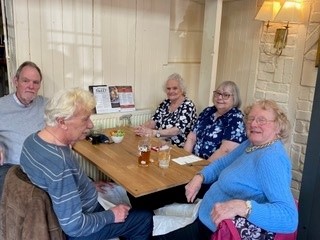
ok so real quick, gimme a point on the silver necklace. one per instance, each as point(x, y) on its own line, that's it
point(256, 147)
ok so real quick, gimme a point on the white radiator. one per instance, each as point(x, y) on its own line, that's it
point(110, 120)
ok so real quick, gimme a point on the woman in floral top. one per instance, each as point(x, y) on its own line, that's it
point(220, 128)
point(174, 117)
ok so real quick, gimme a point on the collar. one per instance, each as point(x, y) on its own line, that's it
point(18, 101)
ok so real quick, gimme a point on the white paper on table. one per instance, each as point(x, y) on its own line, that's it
point(174, 216)
point(187, 159)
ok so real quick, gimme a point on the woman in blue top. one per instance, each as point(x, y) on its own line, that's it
point(219, 128)
point(250, 185)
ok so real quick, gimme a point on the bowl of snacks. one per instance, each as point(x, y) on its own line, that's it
point(117, 135)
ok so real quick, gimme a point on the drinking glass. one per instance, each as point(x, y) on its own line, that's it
point(164, 153)
point(144, 148)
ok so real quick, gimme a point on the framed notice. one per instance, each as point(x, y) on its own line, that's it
point(126, 98)
point(113, 98)
point(102, 96)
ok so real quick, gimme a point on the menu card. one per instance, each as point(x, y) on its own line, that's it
point(113, 98)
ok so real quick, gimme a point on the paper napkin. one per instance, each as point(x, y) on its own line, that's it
point(187, 159)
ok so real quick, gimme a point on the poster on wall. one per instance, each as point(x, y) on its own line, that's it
point(113, 98)
point(126, 98)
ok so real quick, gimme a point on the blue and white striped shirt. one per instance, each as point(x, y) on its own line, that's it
point(74, 197)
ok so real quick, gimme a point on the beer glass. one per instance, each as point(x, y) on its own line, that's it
point(144, 148)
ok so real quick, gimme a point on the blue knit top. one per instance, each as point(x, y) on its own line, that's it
point(17, 122)
point(262, 176)
point(74, 198)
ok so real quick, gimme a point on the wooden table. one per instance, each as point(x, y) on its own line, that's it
point(119, 161)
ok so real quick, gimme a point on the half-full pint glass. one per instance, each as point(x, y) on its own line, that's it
point(164, 154)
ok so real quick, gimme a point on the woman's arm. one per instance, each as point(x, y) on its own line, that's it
point(226, 147)
point(190, 142)
point(168, 132)
point(146, 128)
point(149, 124)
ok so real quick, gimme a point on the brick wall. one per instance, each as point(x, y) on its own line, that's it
point(290, 80)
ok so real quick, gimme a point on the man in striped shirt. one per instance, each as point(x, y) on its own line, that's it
point(49, 162)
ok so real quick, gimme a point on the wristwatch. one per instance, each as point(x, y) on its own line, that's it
point(158, 134)
point(249, 208)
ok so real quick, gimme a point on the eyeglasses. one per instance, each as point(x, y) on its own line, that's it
point(225, 96)
point(259, 120)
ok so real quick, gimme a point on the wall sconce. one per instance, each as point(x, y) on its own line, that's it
point(274, 11)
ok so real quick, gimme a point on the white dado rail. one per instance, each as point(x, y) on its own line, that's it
point(109, 120)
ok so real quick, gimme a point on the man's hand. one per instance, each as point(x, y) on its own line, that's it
point(120, 212)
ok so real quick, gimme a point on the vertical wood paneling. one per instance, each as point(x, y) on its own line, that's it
point(34, 33)
point(46, 64)
point(55, 43)
point(122, 41)
point(209, 53)
point(98, 25)
point(78, 43)
point(237, 39)
point(68, 45)
point(87, 41)
point(106, 36)
point(79, 51)
point(152, 42)
point(21, 23)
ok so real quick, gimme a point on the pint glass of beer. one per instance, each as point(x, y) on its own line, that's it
point(144, 148)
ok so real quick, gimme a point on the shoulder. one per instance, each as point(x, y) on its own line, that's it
point(275, 156)
point(234, 114)
point(188, 105)
point(208, 110)
point(189, 102)
point(6, 99)
point(41, 100)
point(164, 103)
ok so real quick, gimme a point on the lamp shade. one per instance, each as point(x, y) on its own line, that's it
point(291, 11)
point(268, 11)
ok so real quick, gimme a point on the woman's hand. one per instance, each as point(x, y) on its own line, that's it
point(193, 187)
point(228, 210)
point(143, 131)
point(120, 212)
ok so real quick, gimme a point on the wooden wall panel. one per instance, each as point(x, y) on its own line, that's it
point(55, 43)
point(153, 19)
point(78, 43)
point(45, 63)
point(71, 73)
point(21, 25)
point(240, 40)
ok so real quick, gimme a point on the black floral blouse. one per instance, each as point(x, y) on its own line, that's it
point(183, 118)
